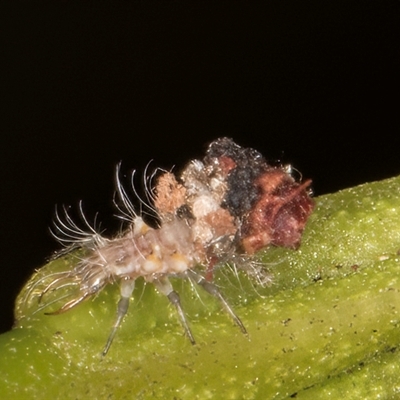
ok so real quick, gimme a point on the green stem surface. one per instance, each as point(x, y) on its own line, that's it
point(326, 328)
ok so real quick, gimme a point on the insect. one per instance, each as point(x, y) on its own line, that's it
point(224, 207)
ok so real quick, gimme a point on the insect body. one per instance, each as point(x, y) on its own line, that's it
point(225, 207)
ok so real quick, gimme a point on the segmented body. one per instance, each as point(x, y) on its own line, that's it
point(230, 204)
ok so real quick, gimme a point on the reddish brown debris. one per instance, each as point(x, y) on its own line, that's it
point(170, 195)
point(270, 207)
point(280, 214)
point(235, 201)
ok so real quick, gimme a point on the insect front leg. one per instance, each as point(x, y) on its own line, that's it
point(126, 288)
point(164, 286)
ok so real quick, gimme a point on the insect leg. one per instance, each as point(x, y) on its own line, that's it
point(213, 290)
point(164, 286)
point(126, 288)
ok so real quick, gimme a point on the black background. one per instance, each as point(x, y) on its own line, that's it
point(85, 85)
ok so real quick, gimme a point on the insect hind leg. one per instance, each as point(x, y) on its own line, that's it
point(214, 291)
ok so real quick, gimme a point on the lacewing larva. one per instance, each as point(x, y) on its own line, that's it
point(220, 209)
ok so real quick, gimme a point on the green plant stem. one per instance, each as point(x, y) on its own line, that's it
point(326, 327)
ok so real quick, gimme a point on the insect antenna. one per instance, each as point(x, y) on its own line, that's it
point(56, 300)
point(32, 288)
point(72, 303)
point(57, 284)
